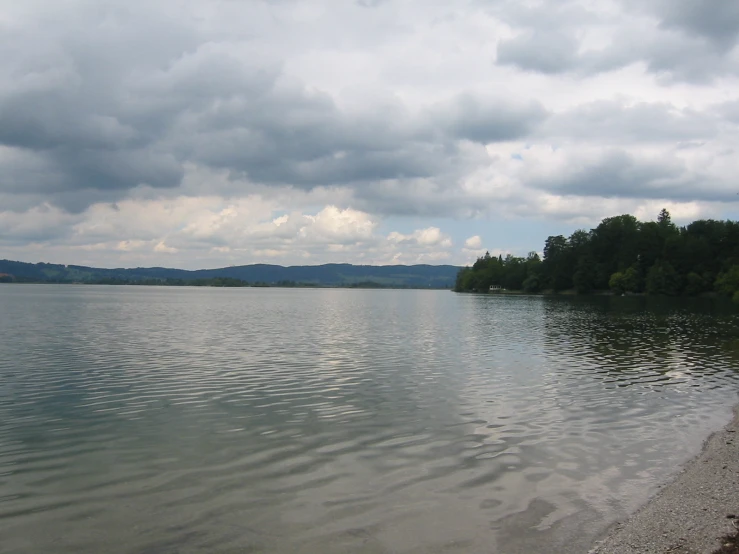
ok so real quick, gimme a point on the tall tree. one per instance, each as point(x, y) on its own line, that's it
point(626, 255)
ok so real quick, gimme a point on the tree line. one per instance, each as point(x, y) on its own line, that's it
point(206, 282)
point(622, 255)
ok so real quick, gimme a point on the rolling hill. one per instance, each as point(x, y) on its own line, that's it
point(415, 276)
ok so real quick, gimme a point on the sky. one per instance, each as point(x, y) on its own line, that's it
point(208, 133)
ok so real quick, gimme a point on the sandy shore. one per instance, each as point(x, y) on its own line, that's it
point(693, 512)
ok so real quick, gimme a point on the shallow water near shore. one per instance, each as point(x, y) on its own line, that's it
point(149, 420)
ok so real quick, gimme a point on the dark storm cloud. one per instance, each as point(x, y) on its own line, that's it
point(692, 41)
point(638, 123)
point(69, 103)
point(289, 136)
point(620, 174)
point(124, 113)
point(108, 97)
point(292, 137)
point(542, 51)
point(714, 20)
point(467, 117)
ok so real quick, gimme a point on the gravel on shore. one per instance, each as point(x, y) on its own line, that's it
point(694, 513)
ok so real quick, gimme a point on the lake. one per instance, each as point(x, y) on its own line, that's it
point(179, 420)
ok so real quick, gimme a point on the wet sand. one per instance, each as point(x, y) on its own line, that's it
point(693, 513)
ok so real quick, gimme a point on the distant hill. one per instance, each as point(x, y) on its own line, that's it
point(413, 276)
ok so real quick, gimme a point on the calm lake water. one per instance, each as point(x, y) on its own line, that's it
point(178, 420)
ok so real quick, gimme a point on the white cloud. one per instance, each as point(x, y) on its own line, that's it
point(212, 132)
point(191, 232)
point(432, 236)
point(162, 247)
point(333, 225)
point(473, 242)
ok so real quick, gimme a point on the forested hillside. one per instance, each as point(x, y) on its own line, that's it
point(623, 255)
point(416, 276)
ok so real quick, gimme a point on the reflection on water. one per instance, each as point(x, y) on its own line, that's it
point(153, 420)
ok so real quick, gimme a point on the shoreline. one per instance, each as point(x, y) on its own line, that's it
point(692, 513)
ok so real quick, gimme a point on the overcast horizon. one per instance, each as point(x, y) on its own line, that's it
point(208, 133)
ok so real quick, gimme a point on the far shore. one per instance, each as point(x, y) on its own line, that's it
point(696, 513)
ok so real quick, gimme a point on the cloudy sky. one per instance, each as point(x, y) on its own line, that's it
point(203, 133)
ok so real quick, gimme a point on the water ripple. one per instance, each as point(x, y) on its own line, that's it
point(138, 419)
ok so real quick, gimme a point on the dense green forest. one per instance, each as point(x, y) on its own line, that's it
point(622, 255)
